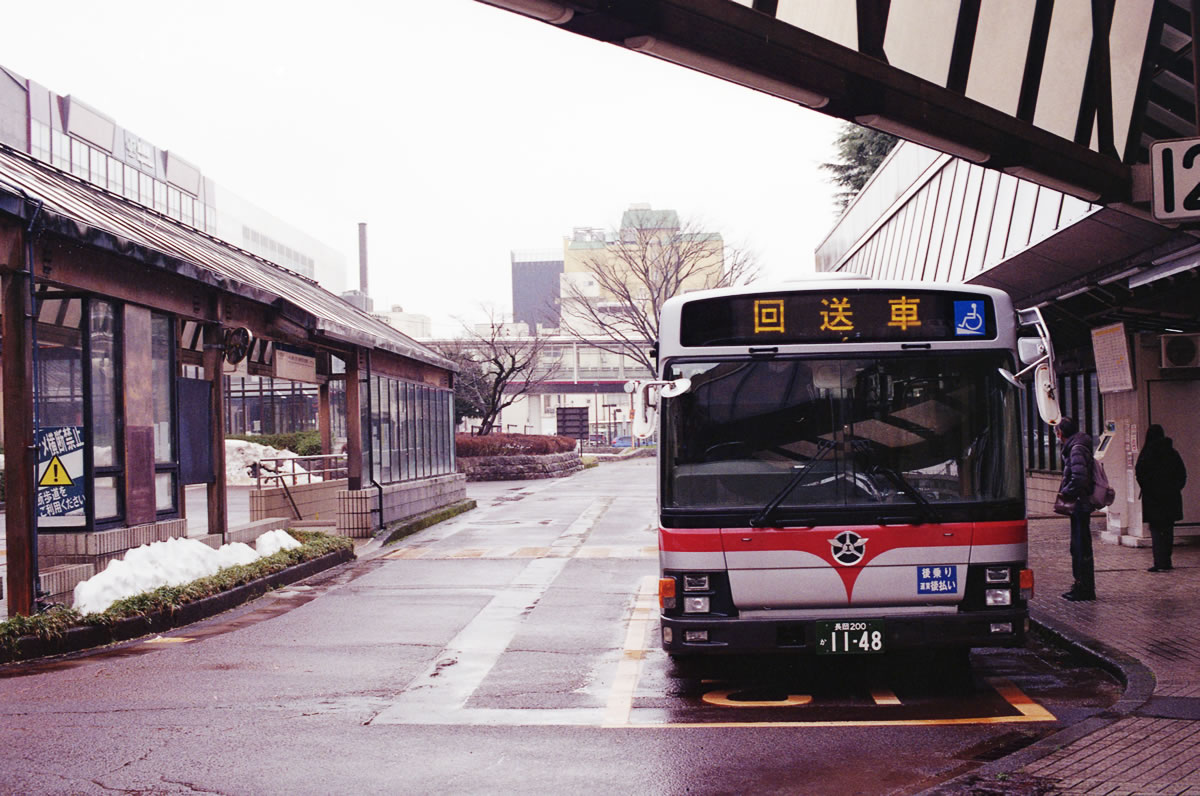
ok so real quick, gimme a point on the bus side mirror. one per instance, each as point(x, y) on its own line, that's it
point(1037, 354)
point(643, 402)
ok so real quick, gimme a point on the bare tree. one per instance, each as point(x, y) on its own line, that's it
point(496, 368)
point(615, 302)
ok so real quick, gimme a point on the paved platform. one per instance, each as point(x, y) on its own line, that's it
point(1146, 625)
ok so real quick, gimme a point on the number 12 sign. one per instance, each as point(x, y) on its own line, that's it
point(1175, 176)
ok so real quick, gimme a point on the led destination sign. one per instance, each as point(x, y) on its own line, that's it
point(847, 315)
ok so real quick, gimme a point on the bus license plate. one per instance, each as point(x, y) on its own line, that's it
point(850, 637)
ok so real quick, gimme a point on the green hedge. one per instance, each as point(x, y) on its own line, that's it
point(511, 444)
point(301, 443)
point(53, 623)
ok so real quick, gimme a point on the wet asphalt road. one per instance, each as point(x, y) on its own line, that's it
point(512, 649)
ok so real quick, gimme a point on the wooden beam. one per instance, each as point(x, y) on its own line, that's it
point(354, 430)
point(218, 503)
point(138, 392)
point(19, 459)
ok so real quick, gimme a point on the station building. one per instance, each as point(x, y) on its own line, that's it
point(125, 304)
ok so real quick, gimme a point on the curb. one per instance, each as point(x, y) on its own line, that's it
point(83, 637)
point(1134, 675)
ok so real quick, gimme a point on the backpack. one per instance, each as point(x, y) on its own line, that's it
point(1102, 493)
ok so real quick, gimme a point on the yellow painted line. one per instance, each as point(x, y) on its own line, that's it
point(592, 552)
point(1016, 697)
point(879, 723)
point(721, 699)
point(467, 552)
point(629, 669)
point(531, 552)
point(168, 640)
point(883, 696)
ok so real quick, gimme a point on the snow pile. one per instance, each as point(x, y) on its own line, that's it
point(170, 563)
point(241, 457)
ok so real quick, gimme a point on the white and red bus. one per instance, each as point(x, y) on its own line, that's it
point(840, 467)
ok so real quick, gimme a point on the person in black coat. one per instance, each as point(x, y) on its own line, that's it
point(1161, 475)
point(1077, 485)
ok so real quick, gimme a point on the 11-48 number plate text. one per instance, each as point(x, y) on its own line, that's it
point(850, 637)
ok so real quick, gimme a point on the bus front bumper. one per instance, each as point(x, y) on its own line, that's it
point(726, 636)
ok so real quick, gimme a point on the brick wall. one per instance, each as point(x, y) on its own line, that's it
point(358, 512)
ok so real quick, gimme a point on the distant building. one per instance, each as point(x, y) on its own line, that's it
point(535, 286)
point(412, 324)
point(76, 138)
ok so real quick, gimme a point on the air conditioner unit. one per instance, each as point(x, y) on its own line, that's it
point(1180, 350)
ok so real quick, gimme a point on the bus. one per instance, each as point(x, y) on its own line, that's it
point(840, 467)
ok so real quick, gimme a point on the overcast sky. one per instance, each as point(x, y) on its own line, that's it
point(457, 131)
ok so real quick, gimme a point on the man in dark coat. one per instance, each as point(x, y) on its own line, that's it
point(1077, 485)
point(1161, 475)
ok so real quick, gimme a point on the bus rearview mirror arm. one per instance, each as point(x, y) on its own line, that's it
point(1044, 378)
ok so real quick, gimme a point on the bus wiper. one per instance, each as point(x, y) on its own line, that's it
point(902, 483)
point(762, 518)
point(927, 511)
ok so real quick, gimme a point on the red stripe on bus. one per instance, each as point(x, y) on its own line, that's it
point(690, 540)
point(1012, 532)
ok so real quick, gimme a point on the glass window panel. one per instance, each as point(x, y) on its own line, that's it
point(1006, 195)
point(938, 231)
point(105, 382)
point(160, 196)
point(374, 428)
point(928, 197)
point(59, 408)
point(162, 349)
point(1045, 217)
point(953, 216)
point(116, 171)
point(40, 140)
point(131, 183)
point(966, 225)
point(164, 491)
point(99, 164)
point(174, 210)
point(396, 430)
point(61, 152)
point(79, 158)
point(983, 222)
point(1022, 217)
point(107, 498)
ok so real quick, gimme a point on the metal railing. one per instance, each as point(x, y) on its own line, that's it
point(282, 470)
point(326, 467)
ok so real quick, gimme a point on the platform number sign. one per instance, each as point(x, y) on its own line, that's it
point(1175, 178)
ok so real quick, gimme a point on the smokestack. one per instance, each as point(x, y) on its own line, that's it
point(362, 258)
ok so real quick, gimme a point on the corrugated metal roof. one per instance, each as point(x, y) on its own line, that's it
point(82, 211)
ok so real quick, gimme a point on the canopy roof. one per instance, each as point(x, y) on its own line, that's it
point(76, 209)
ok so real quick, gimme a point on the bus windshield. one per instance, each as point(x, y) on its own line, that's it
point(917, 438)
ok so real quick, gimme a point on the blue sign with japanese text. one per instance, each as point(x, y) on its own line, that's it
point(60, 472)
point(937, 580)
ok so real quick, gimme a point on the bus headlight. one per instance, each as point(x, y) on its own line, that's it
point(997, 597)
point(695, 605)
point(695, 582)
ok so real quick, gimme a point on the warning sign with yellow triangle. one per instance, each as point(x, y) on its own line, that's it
point(56, 474)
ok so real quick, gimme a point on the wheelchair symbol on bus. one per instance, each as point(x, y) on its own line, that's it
point(968, 320)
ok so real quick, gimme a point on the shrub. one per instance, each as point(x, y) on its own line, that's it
point(511, 444)
point(301, 443)
point(54, 622)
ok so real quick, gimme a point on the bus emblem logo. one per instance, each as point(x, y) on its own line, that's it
point(848, 548)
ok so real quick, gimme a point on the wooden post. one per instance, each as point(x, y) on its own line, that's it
point(325, 420)
point(19, 456)
point(138, 392)
point(218, 502)
point(354, 432)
